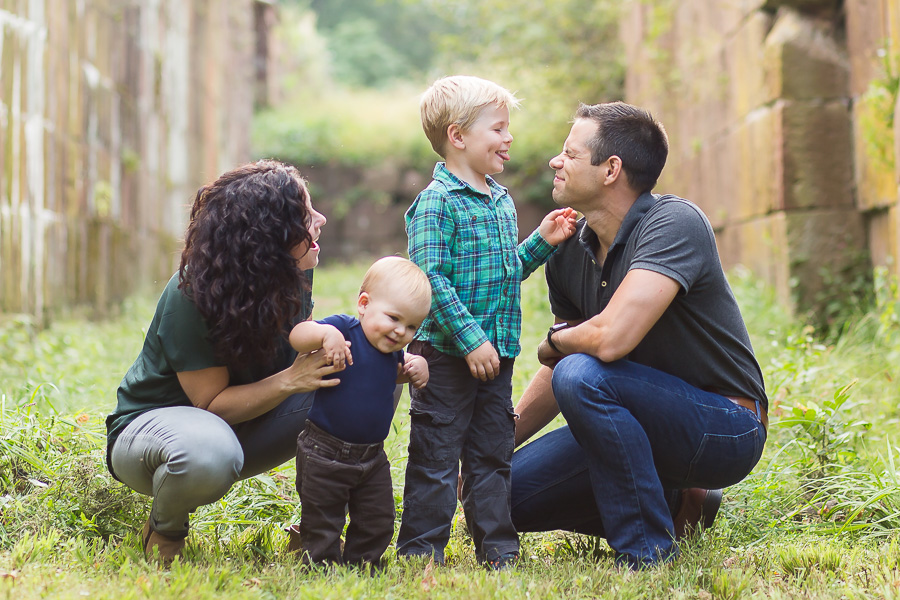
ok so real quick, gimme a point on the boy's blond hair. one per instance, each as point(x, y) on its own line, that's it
point(398, 275)
point(458, 99)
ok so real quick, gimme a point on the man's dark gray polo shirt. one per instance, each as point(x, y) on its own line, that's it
point(701, 337)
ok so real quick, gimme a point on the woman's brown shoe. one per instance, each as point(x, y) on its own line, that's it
point(167, 548)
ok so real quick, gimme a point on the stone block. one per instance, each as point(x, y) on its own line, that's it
point(719, 165)
point(814, 150)
point(884, 245)
point(875, 174)
point(817, 7)
point(803, 60)
point(825, 252)
point(746, 65)
point(892, 12)
point(754, 180)
point(725, 16)
point(866, 26)
point(896, 140)
point(651, 54)
point(759, 245)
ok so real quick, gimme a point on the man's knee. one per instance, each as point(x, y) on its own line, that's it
point(569, 376)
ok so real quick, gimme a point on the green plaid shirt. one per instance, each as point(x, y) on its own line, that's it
point(466, 242)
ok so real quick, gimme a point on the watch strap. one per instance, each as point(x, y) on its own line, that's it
point(553, 329)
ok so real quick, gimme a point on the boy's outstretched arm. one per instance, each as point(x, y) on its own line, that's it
point(554, 229)
point(309, 336)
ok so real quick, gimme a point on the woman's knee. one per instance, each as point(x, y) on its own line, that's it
point(211, 460)
point(209, 463)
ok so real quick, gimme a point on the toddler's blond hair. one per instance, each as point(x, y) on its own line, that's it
point(395, 274)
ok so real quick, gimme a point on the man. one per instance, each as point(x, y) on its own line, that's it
point(649, 361)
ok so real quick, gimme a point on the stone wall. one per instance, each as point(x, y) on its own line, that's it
point(112, 113)
point(780, 118)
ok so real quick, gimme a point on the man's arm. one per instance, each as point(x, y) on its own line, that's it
point(536, 407)
point(636, 306)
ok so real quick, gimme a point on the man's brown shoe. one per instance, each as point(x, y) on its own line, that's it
point(167, 548)
point(697, 511)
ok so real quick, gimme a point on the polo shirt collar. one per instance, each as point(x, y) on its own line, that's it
point(637, 211)
point(588, 239)
point(454, 183)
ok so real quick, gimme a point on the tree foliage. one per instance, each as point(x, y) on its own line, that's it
point(376, 42)
point(567, 46)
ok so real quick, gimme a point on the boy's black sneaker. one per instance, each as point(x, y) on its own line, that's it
point(504, 562)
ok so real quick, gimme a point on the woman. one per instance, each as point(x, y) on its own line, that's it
point(217, 394)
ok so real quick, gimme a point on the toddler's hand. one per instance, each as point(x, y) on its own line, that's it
point(484, 362)
point(558, 226)
point(336, 349)
point(415, 368)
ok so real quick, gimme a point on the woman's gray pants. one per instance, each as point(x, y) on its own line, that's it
point(185, 457)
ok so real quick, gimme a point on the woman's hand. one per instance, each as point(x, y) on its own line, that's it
point(308, 372)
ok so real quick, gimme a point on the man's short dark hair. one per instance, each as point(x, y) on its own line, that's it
point(632, 134)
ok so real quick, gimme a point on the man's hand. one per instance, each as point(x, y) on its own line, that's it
point(415, 368)
point(336, 349)
point(484, 362)
point(558, 226)
point(547, 356)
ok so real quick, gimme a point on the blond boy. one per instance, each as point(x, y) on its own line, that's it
point(463, 233)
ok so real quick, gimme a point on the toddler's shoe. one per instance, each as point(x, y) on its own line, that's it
point(504, 562)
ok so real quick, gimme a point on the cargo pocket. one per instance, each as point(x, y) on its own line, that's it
point(431, 439)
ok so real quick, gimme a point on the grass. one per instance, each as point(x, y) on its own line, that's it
point(816, 519)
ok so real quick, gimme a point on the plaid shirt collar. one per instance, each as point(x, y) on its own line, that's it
point(455, 184)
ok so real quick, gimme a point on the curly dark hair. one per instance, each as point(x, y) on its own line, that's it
point(237, 265)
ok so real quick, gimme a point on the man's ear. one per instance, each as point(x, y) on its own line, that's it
point(455, 136)
point(613, 168)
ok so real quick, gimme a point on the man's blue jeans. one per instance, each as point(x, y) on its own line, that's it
point(635, 436)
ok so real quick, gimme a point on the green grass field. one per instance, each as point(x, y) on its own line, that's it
point(818, 518)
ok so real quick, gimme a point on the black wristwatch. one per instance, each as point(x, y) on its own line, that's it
point(553, 329)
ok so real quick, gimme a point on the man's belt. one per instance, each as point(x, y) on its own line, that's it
point(752, 405)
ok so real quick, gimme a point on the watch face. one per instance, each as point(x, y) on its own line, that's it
point(558, 326)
